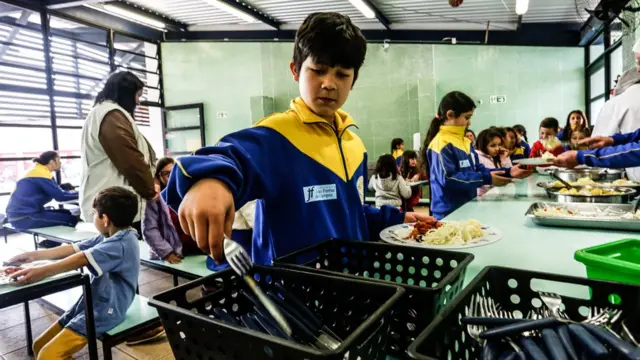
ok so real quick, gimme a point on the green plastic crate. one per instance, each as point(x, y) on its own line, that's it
point(615, 261)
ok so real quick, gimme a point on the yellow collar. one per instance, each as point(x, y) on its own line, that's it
point(454, 135)
point(342, 119)
point(39, 171)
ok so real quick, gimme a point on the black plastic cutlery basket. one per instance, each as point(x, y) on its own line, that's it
point(430, 277)
point(358, 312)
point(516, 291)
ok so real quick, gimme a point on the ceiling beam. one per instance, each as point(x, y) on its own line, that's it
point(171, 24)
point(61, 4)
point(530, 34)
point(251, 11)
point(379, 15)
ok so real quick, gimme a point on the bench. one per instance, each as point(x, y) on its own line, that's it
point(139, 318)
point(61, 234)
point(191, 267)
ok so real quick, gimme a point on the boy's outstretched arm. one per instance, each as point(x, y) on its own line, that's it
point(206, 188)
point(56, 253)
point(35, 274)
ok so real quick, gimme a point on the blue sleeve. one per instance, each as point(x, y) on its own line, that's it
point(87, 244)
point(52, 189)
point(243, 160)
point(104, 257)
point(527, 150)
point(621, 139)
point(616, 157)
point(380, 219)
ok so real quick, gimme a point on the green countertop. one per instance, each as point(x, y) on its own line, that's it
point(526, 245)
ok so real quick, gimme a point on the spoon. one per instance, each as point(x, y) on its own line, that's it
point(566, 184)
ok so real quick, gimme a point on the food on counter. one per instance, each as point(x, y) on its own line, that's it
point(602, 214)
point(589, 192)
point(587, 181)
point(447, 233)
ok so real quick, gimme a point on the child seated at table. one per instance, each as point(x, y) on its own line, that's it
point(548, 143)
point(113, 259)
point(411, 172)
point(161, 225)
point(390, 188)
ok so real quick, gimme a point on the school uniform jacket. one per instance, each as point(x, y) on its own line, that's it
point(34, 190)
point(310, 175)
point(455, 171)
point(625, 153)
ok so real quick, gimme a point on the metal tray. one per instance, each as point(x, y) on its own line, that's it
point(593, 173)
point(591, 216)
point(626, 196)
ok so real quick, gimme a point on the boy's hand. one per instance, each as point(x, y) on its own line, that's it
point(29, 276)
point(497, 180)
point(519, 173)
point(597, 142)
point(23, 258)
point(412, 217)
point(206, 214)
point(568, 159)
point(173, 258)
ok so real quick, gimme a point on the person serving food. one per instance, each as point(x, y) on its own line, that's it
point(616, 152)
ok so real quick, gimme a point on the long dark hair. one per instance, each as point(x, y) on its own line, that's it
point(161, 165)
point(508, 130)
point(46, 157)
point(566, 133)
point(405, 169)
point(386, 167)
point(455, 101)
point(395, 143)
point(484, 139)
point(522, 130)
point(121, 88)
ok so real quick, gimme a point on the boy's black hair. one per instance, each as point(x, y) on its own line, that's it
point(119, 204)
point(585, 131)
point(395, 143)
point(550, 123)
point(330, 39)
point(386, 167)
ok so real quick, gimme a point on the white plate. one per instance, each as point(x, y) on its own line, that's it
point(533, 161)
point(397, 235)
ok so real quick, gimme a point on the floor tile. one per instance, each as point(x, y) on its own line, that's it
point(155, 287)
point(149, 275)
point(14, 338)
point(156, 350)
point(115, 353)
point(14, 315)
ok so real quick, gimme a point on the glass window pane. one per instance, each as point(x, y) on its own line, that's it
point(4, 200)
point(183, 140)
point(182, 118)
point(69, 141)
point(24, 108)
point(595, 107)
point(597, 83)
point(71, 171)
point(11, 172)
point(24, 142)
point(596, 48)
point(616, 65)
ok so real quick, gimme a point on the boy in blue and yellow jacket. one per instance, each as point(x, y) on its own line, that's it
point(306, 165)
point(455, 171)
point(26, 210)
point(616, 152)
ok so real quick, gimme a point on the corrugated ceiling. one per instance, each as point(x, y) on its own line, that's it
point(405, 14)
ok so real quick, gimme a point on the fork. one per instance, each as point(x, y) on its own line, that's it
point(241, 263)
point(489, 349)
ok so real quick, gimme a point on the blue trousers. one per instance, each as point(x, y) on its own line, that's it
point(55, 217)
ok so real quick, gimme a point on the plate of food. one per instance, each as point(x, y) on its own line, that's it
point(441, 234)
point(534, 161)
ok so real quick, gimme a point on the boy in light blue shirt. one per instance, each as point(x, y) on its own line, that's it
point(113, 259)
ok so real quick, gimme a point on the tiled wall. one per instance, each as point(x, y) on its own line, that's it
point(396, 94)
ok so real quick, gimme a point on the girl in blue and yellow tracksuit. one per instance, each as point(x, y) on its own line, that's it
point(315, 195)
point(37, 188)
point(455, 171)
